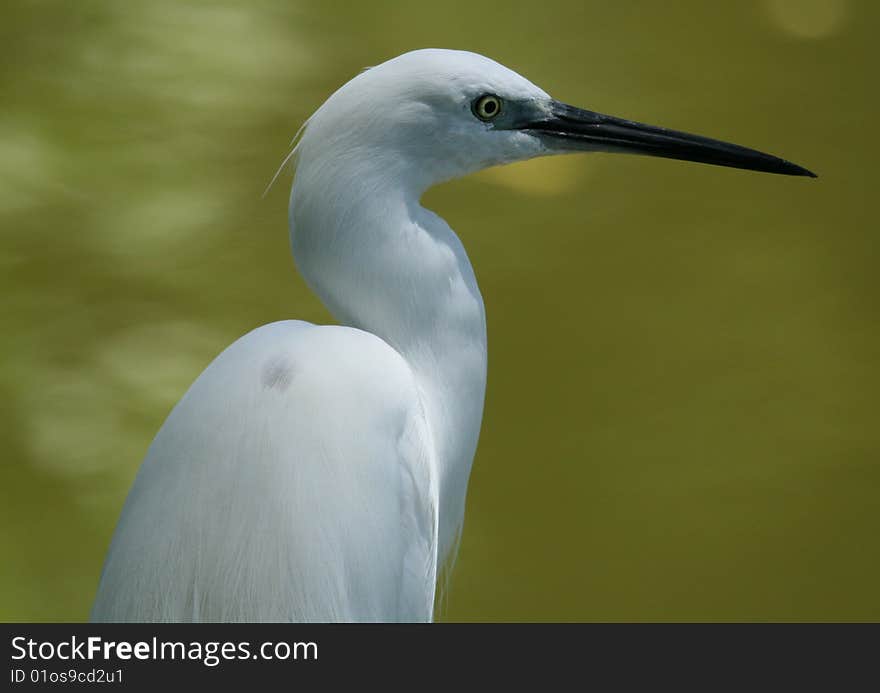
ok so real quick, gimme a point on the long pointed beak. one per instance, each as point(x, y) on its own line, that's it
point(577, 129)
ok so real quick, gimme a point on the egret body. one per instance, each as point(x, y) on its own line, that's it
point(319, 473)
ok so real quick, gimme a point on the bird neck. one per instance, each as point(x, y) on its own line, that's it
point(384, 264)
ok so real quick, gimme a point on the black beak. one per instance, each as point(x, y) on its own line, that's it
point(578, 129)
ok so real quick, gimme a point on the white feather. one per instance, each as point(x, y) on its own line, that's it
point(320, 473)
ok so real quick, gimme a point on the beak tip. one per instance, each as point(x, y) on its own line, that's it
point(796, 170)
point(786, 168)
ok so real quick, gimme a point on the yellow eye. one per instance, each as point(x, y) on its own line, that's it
point(487, 107)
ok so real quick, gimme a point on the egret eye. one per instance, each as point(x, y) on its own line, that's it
point(487, 107)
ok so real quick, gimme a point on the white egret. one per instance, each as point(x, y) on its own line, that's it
point(318, 473)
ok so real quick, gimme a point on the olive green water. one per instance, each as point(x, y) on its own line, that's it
point(681, 419)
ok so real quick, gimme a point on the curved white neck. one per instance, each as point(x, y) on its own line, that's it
point(382, 263)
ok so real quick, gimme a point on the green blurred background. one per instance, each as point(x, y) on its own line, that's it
point(681, 418)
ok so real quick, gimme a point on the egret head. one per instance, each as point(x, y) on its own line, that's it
point(431, 115)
